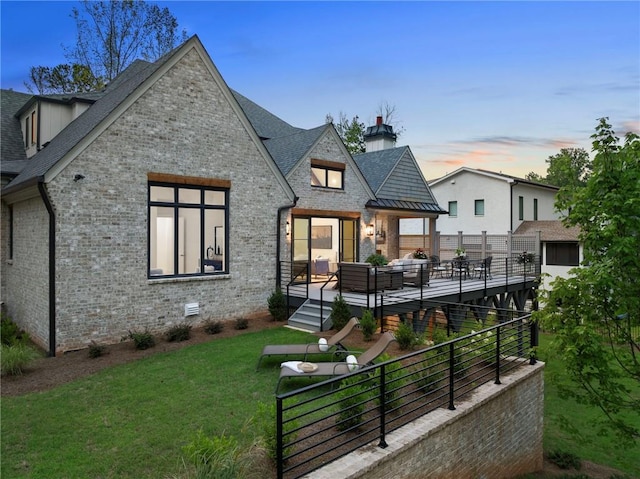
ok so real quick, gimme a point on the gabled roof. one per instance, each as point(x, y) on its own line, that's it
point(288, 150)
point(11, 142)
point(78, 129)
point(492, 174)
point(266, 124)
point(550, 230)
point(376, 166)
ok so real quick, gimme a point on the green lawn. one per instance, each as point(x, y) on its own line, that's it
point(588, 445)
point(131, 421)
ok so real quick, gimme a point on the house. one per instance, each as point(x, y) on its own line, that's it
point(168, 197)
point(561, 249)
point(480, 200)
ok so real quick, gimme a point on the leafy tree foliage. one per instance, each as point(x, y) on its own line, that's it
point(110, 36)
point(63, 78)
point(570, 167)
point(595, 313)
point(352, 131)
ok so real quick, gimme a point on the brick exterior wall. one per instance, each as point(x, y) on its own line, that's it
point(352, 198)
point(26, 277)
point(182, 125)
point(496, 434)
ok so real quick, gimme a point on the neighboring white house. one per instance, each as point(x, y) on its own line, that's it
point(480, 200)
point(560, 247)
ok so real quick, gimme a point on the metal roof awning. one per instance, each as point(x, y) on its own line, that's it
point(407, 206)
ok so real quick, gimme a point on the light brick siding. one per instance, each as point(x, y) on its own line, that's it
point(352, 198)
point(495, 434)
point(27, 276)
point(183, 125)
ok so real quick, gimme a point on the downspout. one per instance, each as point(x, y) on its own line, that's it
point(278, 233)
point(52, 268)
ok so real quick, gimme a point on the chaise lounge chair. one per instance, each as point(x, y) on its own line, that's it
point(303, 350)
point(340, 368)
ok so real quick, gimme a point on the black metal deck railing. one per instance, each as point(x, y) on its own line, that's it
point(319, 423)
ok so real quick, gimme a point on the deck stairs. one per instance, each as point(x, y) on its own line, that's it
point(307, 316)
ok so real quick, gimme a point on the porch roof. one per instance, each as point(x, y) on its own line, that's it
point(408, 206)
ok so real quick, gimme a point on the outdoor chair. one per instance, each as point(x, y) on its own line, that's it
point(460, 267)
point(484, 268)
point(436, 266)
point(332, 369)
point(303, 350)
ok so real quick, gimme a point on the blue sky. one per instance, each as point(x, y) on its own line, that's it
point(493, 85)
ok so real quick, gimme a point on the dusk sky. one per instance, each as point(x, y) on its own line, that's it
point(493, 85)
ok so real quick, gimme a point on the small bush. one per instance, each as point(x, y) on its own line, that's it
point(14, 359)
point(564, 459)
point(277, 305)
point(241, 323)
point(352, 400)
point(368, 324)
point(340, 313)
point(265, 423)
point(394, 381)
point(11, 334)
point(376, 260)
point(213, 327)
point(405, 336)
point(218, 457)
point(141, 340)
point(178, 332)
point(96, 350)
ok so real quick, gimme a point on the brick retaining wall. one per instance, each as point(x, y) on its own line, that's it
point(495, 434)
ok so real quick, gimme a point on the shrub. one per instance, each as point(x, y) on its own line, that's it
point(368, 324)
point(11, 334)
point(96, 350)
point(213, 327)
point(394, 381)
point(178, 332)
point(352, 399)
point(141, 340)
point(340, 313)
point(265, 423)
point(430, 373)
point(15, 358)
point(376, 260)
point(277, 305)
point(405, 336)
point(241, 323)
point(564, 459)
point(217, 457)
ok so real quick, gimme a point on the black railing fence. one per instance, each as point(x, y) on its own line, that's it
point(319, 423)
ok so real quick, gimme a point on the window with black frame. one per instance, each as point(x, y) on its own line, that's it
point(188, 230)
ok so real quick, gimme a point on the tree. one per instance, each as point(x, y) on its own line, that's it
point(570, 167)
point(110, 36)
point(594, 312)
point(352, 131)
point(63, 78)
point(533, 176)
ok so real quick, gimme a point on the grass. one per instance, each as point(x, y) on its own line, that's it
point(558, 412)
point(130, 421)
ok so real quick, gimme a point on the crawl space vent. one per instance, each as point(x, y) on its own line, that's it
point(191, 309)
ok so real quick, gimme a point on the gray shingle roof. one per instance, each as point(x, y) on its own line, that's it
point(550, 230)
point(266, 124)
point(286, 151)
point(377, 165)
point(11, 141)
point(114, 94)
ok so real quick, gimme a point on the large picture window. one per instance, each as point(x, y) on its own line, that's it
point(188, 227)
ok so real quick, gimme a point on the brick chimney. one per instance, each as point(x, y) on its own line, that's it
point(379, 137)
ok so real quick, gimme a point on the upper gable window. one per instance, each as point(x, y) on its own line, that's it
point(453, 208)
point(327, 174)
point(479, 207)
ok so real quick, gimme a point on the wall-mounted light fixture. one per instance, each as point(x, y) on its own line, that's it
point(369, 229)
point(287, 228)
point(78, 177)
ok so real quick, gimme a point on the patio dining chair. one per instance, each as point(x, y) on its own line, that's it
point(484, 268)
point(303, 350)
point(331, 369)
point(436, 266)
